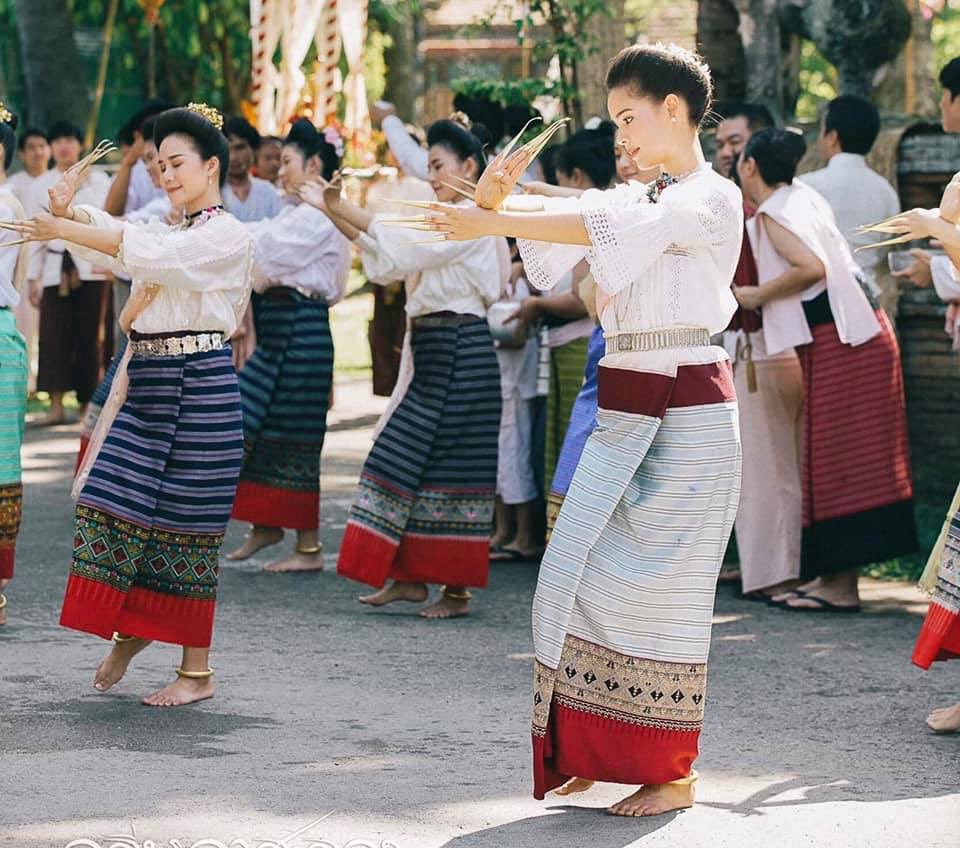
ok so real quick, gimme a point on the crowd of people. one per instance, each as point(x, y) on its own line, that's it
point(607, 354)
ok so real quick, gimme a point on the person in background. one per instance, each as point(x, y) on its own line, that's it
point(246, 197)
point(267, 165)
point(739, 121)
point(857, 194)
point(71, 292)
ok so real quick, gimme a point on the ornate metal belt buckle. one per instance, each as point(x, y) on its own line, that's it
point(624, 342)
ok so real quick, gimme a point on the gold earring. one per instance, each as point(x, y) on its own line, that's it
point(673, 118)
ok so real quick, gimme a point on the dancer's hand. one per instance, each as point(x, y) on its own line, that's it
point(321, 194)
point(919, 273)
point(456, 223)
point(915, 224)
point(528, 312)
point(62, 193)
point(42, 227)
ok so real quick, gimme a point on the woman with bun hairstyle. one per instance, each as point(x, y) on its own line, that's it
point(13, 363)
point(161, 474)
point(856, 483)
point(623, 609)
point(424, 511)
point(302, 264)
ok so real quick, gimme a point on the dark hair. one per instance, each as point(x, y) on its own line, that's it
point(950, 77)
point(462, 142)
point(516, 116)
point(148, 126)
point(548, 161)
point(856, 122)
point(8, 138)
point(592, 151)
point(31, 132)
point(137, 121)
point(757, 115)
point(777, 154)
point(242, 128)
point(64, 129)
point(304, 136)
point(656, 70)
point(481, 110)
point(270, 139)
point(208, 141)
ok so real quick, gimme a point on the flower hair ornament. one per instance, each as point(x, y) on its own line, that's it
point(6, 116)
point(334, 139)
point(208, 112)
point(462, 119)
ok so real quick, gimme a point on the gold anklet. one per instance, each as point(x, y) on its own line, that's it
point(314, 550)
point(3, 601)
point(455, 596)
point(195, 675)
point(689, 780)
point(118, 639)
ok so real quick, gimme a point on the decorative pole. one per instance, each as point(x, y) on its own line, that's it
point(102, 73)
point(328, 60)
point(151, 9)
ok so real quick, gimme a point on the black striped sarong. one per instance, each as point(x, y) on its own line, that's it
point(150, 519)
point(285, 387)
point(425, 507)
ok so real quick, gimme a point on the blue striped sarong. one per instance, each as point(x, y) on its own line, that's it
point(583, 420)
point(13, 407)
point(425, 507)
point(285, 387)
point(98, 401)
point(151, 517)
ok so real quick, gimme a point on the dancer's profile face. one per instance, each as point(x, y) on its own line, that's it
point(444, 164)
point(645, 126)
point(186, 176)
point(296, 169)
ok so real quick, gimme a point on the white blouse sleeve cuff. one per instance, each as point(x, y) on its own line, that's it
point(945, 279)
point(545, 264)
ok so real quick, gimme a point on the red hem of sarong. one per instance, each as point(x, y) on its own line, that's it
point(939, 637)
point(84, 444)
point(101, 609)
point(7, 556)
point(272, 506)
point(368, 557)
point(582, 744)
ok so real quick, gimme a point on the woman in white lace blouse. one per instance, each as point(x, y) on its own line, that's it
point(152, 510)
point(623, 608)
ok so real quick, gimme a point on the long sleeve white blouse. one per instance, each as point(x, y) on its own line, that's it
point(460, 277)
point(205, 271)
point(300, 248)
point(657, 265)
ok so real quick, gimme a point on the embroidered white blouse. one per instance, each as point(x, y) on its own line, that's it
point(300, 248)
point(656, 265)
point(205, 271)
point(460, 277)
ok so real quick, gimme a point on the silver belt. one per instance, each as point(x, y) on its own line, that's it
point(179, 345)
point(658, 339)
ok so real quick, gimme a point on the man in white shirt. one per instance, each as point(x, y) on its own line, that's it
point(246, 197)
point(69, 290)
point(857, 194)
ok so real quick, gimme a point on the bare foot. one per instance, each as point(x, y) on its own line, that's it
point(112, 669)
point(181, 691)
point(573, 786)
point(945, 720)
point(446, 607)
point(297, 562)
point(396, 591)
point(3, 602)
point(257, 538)
point(654, 800)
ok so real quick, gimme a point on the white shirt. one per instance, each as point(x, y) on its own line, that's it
point(656, 265)
point(9, 296)
point(155, 210)
point(205, 272)
point(413, 159)
point(262, 201)
point(300, 248)
point(20, 183)
point(46, 258)
point(460, 277)
point(141, 190)
point(945, 280)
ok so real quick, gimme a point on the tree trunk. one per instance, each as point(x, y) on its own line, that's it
point(718, 39)
point(51, 64)
point(892, 93)
point(401, 60)
point(608, 35)
point(760, 34)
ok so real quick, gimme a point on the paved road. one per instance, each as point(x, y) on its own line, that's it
point(415, 733)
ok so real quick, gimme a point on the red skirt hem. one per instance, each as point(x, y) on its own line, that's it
point(272, 506)
point(101, 609)
point(7, 557)
point(84, 445)
point(368, 557)
point(581, 744)
point(939, 637)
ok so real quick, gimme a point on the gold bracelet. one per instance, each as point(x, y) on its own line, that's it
point(3, 602)
point(118, 639)
point(195, 675)
point(455, 596)
point(314, 550)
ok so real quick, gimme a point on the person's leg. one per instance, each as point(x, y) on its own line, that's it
point(114, 666)
point(945, 719)
point(504, 524)
point(839, 589)
point(194, 681)
point(308, 555)
point(258, 537)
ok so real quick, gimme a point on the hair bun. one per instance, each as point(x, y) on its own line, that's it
point(303, 130)
point(794, 145)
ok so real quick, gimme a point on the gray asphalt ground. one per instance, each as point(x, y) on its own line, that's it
point(336, 725)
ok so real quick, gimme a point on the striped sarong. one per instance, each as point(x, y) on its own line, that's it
point(97, 402)
point(583, 420)
point(13, 407)
point(150, 519)
point(566, 377)
point(285, 387)
point(939, 637)
point(424, 511)
point(857, 486)
point(624, 603)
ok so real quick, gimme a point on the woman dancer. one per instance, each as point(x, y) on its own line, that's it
point(623, 608)
point(302, 263)
point(151, 515)
point(425, 508)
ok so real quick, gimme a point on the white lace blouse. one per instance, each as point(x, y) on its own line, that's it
point(656, 265)
point(205, 271)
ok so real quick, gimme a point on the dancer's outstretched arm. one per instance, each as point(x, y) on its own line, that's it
point(464, 223)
